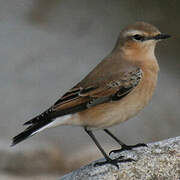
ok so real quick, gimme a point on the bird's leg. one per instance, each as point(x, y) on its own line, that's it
point(124, 147)
point(108, 159)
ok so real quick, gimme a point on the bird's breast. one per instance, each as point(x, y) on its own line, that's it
point(115, 112)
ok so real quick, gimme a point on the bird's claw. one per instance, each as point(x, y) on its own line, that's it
point(126, 147)
point(114, 162)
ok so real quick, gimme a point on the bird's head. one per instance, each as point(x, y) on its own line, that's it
point(139, 39)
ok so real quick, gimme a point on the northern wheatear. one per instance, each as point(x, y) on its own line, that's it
point(116, 90)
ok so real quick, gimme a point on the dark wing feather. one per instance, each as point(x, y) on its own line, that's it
point(80, 98)
point(28, 132)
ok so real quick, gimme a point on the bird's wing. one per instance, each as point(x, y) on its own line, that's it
point(89, 92)
point(82, 97)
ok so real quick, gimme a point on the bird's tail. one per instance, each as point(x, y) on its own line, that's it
point(37, 126)
point(28, 132)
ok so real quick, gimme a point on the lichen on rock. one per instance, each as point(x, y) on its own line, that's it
point(158, 161)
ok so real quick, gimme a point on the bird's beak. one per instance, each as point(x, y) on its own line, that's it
point(161, 36)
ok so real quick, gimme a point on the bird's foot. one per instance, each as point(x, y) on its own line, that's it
point(114, 162)
point(126, 147)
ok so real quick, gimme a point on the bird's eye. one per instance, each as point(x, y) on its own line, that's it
point(138, 37)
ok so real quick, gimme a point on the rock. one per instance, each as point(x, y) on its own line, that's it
point(158, 161)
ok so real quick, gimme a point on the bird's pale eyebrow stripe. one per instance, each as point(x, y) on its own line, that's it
point(133, 32)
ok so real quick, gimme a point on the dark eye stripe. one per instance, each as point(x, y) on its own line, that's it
point(138, 37)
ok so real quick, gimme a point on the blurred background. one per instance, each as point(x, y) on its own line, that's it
point(48, 46)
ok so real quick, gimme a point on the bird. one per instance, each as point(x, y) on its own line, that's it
point(116, 90)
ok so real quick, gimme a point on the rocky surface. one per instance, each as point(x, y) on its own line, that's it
point(159, 161)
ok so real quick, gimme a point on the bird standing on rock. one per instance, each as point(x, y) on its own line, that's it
point(113, 92)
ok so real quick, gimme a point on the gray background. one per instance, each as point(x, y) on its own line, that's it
point(48, 46)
